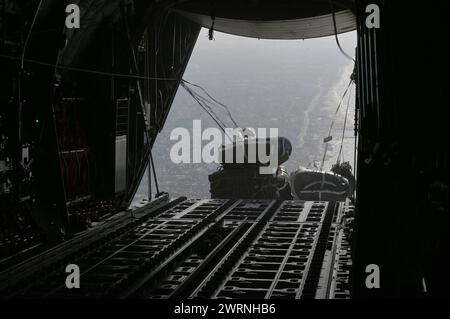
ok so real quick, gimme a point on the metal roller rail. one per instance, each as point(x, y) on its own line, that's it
point(223, 249)
point(233, 229)
point(275, 260)
point(113, 261)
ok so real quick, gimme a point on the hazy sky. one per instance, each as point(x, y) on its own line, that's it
point(264, 76)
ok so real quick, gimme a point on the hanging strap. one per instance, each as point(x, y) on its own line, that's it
point(329, 138)
point(343, 131)
point(213, 21)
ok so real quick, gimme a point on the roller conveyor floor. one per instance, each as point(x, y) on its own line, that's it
point(213, 249)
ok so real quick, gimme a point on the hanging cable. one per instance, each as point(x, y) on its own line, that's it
point(208, 103)
point(205, 103)
point(22, 58)
point(339, 107)
point(155, 178)
point(336, 33)
point(208, 110)
point(30, 31)
point(227, 109)
point(213, 22)
point(343, 130)
point(202, 101)
point(84, 70)
point(329, 137)
point(129, 76)
point(211, 30)
point(211, 114)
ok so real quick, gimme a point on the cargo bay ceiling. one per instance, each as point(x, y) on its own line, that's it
point(272, 19)
point(263, 19)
